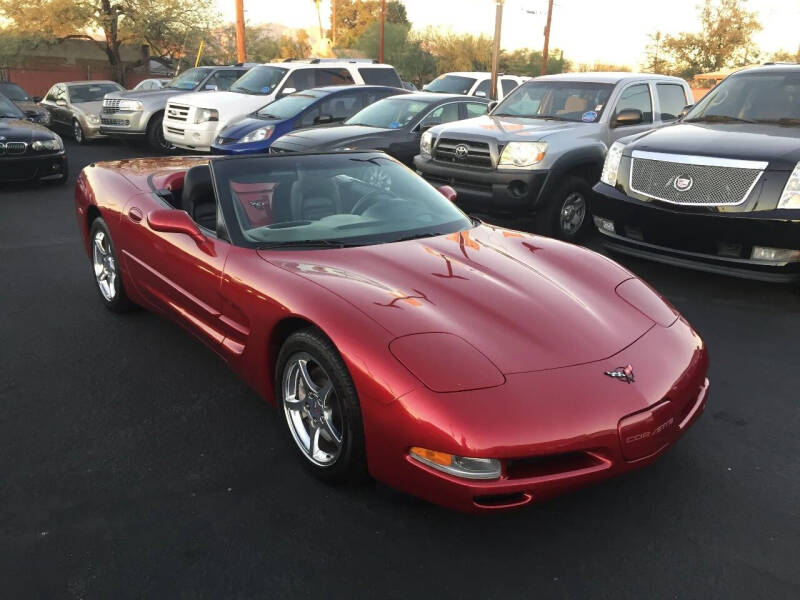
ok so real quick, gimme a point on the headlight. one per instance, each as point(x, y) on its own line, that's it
point(204, 115)
point(790, 198)
point(611, 166)
point(93, 119)
point(519, 155)
point(54, 145)
point(460, 466)
point(259, 134)
point(130, 105)
point(425, 144)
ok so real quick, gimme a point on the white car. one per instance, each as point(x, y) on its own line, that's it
point(192, 121)
point(473, 83)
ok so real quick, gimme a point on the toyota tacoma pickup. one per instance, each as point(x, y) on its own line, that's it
point(719, 191)
point(539, 151)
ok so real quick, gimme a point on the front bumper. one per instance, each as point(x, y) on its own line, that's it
point(554, 431)
point(124, 124)
point(31, 167)
point(488, 191)
point(714, 242)
point(188, 136)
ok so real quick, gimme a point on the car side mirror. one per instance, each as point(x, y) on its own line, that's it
point(37, 98)
point(425, 125)
point(685, 110)
point(210, 87)
point(61, 102)
point(628, 116)
point(491, 106)
point(448, 192)
point(480, 94)
point(289, 90)
point(170, 220)
point(323, 119)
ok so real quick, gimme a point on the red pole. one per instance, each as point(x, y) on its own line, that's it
point(241, 53)
point(383, 22)
point(547, 37)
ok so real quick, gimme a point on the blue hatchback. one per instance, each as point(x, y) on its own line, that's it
point(318, 107)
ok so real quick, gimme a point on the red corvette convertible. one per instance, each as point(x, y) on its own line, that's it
point(473, 366)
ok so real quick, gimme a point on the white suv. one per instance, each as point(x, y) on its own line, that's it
point(474, 83)
point(193, 121)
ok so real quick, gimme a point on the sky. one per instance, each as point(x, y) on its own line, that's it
point(605, 31)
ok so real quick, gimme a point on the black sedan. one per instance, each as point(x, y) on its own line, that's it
point(27, 104)
point(393, 125)
point(28, 151)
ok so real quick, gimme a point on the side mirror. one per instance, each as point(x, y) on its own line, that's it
point(448, 192)
point(685, 110)
point(323, 119)
point(210, 87)
point(491, 106)
point(37, 98)
point(628, 116)
point(170, 220)
point(425, 125)
point(288, 90)
point(480, 94)
point(61, 102)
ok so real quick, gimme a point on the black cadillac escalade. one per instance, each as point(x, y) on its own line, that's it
point(720, 190)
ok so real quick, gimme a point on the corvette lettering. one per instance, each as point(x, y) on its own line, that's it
point(648, 434)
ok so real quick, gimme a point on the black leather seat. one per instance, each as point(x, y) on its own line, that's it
point(198, 197)
point(314, 197)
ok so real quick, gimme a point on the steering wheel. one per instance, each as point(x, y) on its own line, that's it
point(368, 200)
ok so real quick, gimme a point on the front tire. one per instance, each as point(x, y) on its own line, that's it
point(155, 135)
point(567, 216)
point(106, 269)
point(320, 406)
point(77, 132)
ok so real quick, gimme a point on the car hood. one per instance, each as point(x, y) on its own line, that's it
point(241, 127)
point(88, 108)
point(149, 95)
point(526, 302)
point(306, 139)
point(509, 129)
point(19, 130)
point(30, 108)
point(230, 105)
point(747, 141)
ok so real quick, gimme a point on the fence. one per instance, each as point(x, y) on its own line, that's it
point(36, 81)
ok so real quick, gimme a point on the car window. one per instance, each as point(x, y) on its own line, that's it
point(91, 92)
point(483, 89)
point(758, 96)
point(300, 79)
point(341, 106)
point(671, 100)
point(637, 97)
point(507, 85)
point(13, 92)
point(351, 198)
point(370, 96)
point(578, 101)
point(9, 110)
point(451, 84)
point(51, 94)
point(61, 92)
point(189, 80)
point(390, 113)
point(262, 80)
point(324, 77)
point(380, 76)
point(444, 114)
point(291, 105)
point(476, 109)
point(224, 79)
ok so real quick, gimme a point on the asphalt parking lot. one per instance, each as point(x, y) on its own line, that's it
point(134, 464)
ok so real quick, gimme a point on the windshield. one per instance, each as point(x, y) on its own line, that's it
point(9, 110)
point(329, 201)
point(754, 97)
point(188, 80)
point(92, 92)
point(390, 113)
point(560, 100)
point(451, 84)
point(13, 92)
point(259, 80)
point(289, 106)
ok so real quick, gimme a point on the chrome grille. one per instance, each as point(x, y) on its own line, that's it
point(13, 148)
point(463, 152)
point(694, 180)
point(177, 112)
point(111, 105)
point(114, 122)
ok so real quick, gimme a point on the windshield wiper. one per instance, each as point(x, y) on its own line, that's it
point(307, 244)
point(418, 236)
point(718, 119)
point(267, 116)
point(781, 121)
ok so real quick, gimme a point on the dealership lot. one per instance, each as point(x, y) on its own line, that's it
point(135, 464)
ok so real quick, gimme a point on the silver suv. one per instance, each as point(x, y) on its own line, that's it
point(138, 114)
point(540, 150)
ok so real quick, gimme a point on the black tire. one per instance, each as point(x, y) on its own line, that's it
point(77, 132)
point(119, 302)
point(350, 466)
point(155, 135)
point(550, 221)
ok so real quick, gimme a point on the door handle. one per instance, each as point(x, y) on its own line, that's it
point(135, 215)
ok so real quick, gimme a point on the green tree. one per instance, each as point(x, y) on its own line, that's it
point(165, 25)
point(406, 55)
point(457, 52)
point(295, 46)
point(725, 39)
point(525, 61)
point(354, 16)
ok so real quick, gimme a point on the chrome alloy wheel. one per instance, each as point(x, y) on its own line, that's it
point(77, 132)
point(573, 213)
point(105, 267)
point(313, 411)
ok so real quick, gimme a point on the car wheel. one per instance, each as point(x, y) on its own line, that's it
point(77, 132)
point(319, 402)
point(567, 216)
point(155, 135)
point(106, 268)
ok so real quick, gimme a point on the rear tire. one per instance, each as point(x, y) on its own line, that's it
point(106, 269)
point(155, 135)
point(318, 401)
point(567, 215)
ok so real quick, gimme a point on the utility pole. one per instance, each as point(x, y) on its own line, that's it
point(383, 23)
point(333, 23)
point(547, 37)
point(498, 26)
point(241, 52)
